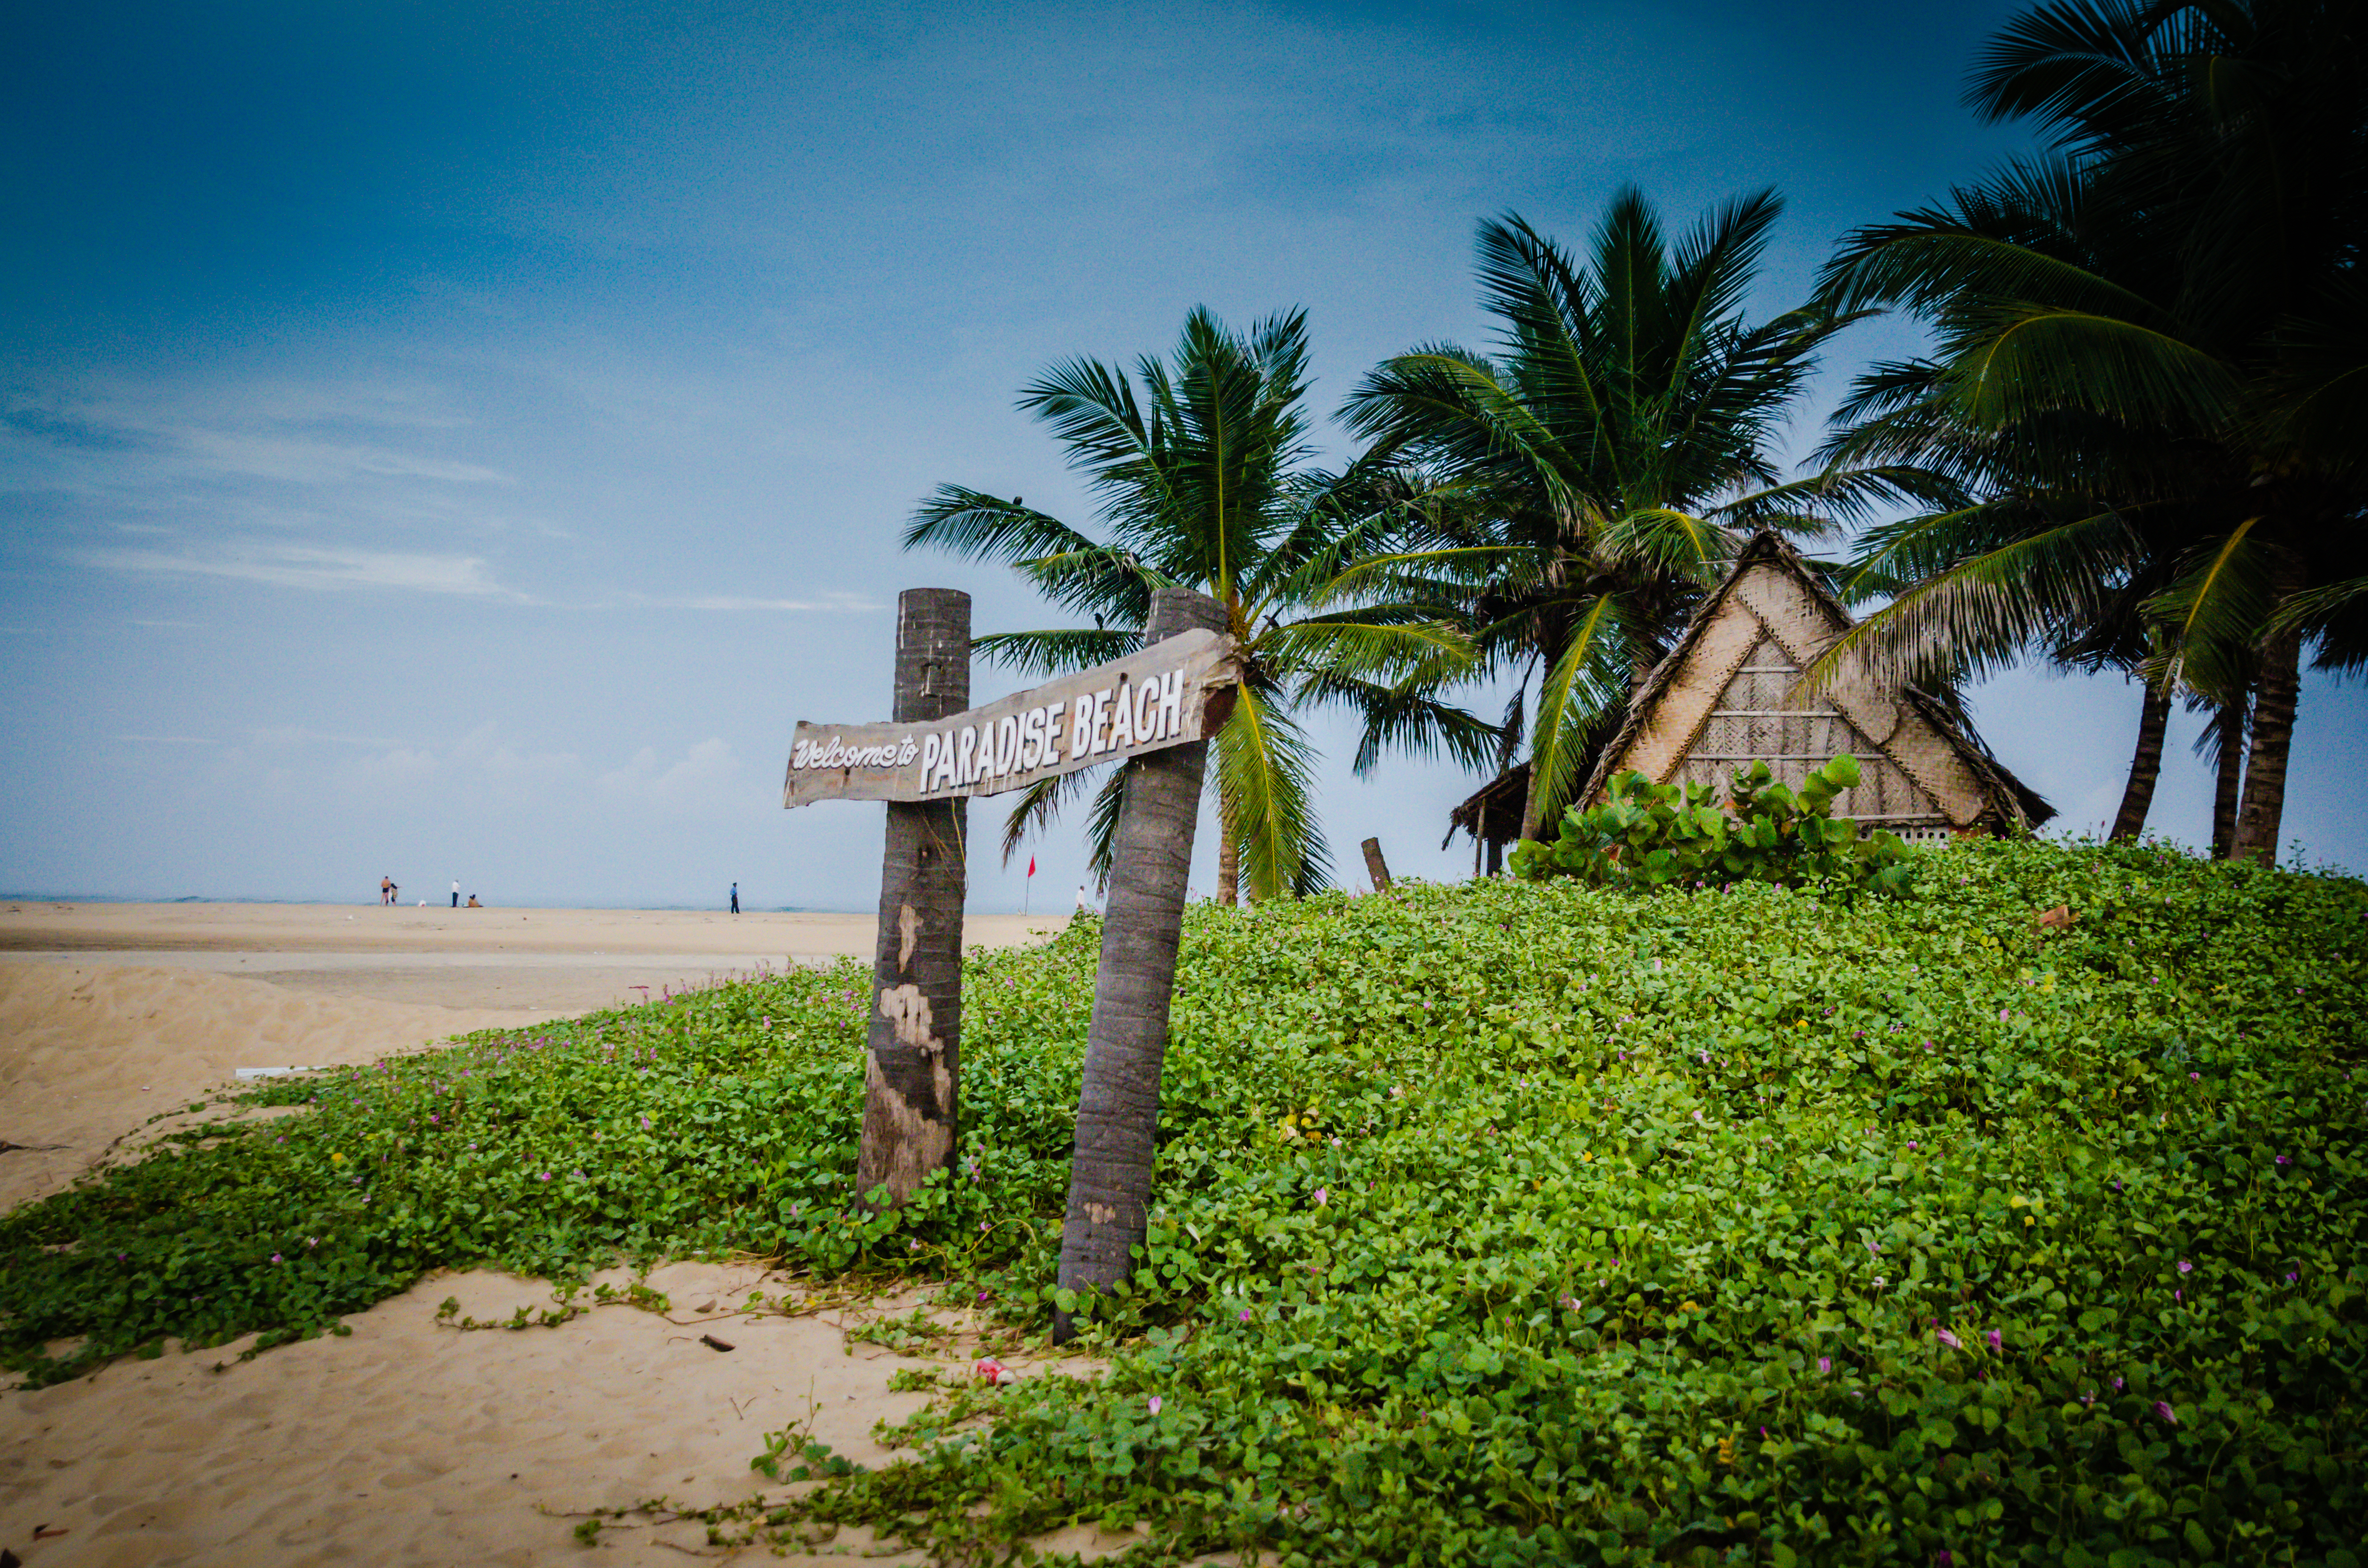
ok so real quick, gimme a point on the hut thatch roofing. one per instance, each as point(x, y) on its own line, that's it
point(1730, 693)
point(1492, 814)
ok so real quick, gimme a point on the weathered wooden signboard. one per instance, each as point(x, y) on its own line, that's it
point(1153, 710)
point(1169, 694)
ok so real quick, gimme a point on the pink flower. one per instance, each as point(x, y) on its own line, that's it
point(1322, 1197)
point(1997, 1340)
point(2185, 1267)
point(1951, 1340)
point(1825, 1364)
point(275, 1257)
point(1245, 1314)
point(1155, 1404)
point(2169, 1416)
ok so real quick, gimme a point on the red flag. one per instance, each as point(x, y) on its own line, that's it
point(1031, 865)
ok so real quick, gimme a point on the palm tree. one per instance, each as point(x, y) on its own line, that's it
point(1576, 493)
point(2227, 139)
point(2046, 529)
point(1200, 469)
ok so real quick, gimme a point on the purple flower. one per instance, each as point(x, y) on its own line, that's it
point(1825, 1364)
point(546, 1175)
point(2282, 1159)
point(1322, 1197)
point(275, 1257)
point(1245, 1314)
point(1951, 1340)
point(2185, 1267)
point(2162, 1408)
point(1997, 1340)
point(1155, 1404)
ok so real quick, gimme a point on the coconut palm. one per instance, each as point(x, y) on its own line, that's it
point(2055, 530)
point(2228, 142)
point(1200, 468)
point(1577, 491)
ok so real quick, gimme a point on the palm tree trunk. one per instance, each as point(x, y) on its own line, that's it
point(2228, 735)
point(913, 1072)
point(1551, 638)
point(1126, 1043)
point(1534, 804)
point(2261, 812)
point(1229, 865)
point(2145, 766)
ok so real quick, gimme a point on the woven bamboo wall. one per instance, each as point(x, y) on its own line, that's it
point(1759, 717)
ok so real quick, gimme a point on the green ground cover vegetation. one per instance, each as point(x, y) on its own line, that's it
point(1499, 1223)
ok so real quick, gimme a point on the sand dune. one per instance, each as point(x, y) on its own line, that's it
point(413, 1443)
point(407, 1442)
point(89, 1053)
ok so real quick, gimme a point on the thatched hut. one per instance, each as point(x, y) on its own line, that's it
point(1729, 694)
point(1492, 815)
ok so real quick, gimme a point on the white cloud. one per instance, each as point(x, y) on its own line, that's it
point(706, 779)
point(831, 601)
point(299, 566)
point(297, 461)
point(296, 735)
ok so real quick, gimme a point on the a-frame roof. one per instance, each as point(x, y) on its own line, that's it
point(1770, 619)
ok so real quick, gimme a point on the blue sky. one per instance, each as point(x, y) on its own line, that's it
point(459, 441)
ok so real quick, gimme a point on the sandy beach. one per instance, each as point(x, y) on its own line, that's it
point(407, 1442)
point(557, 961)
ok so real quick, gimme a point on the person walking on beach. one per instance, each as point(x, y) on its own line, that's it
point(385, 892)
point(736, 898)
point(456, 893)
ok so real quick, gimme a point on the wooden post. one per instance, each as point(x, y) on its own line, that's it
point(1375, 866)
point(912, 1076)
point(1117, 1103)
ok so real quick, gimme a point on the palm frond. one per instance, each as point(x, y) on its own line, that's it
point(1057, 652)
point(1980, 612)
point(1266, 773)
point(1039, 804)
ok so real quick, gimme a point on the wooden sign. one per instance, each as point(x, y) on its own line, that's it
point(1169, 694)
